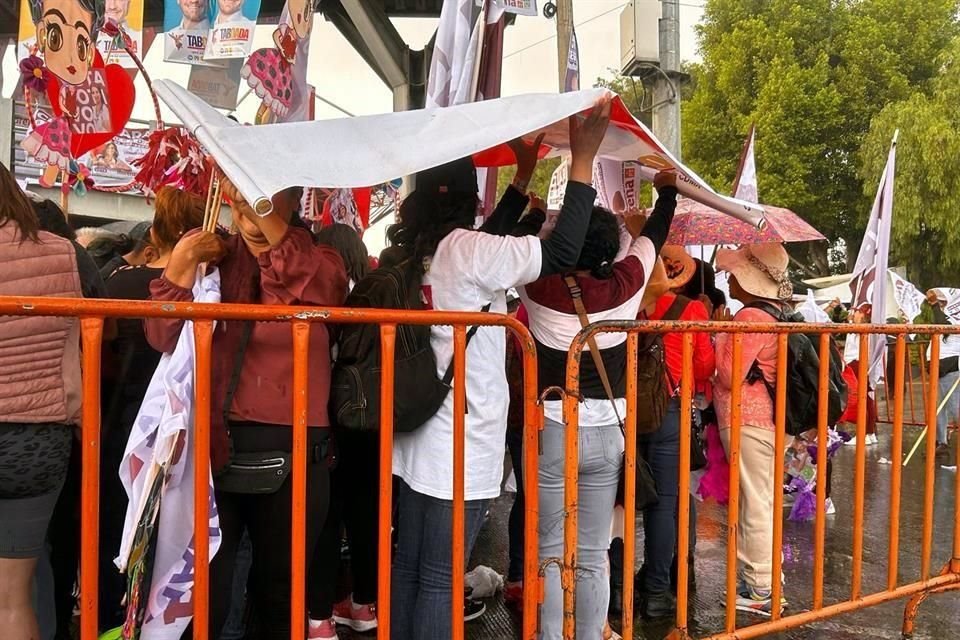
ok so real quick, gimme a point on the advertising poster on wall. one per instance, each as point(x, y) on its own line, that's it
point(231, 29)
point(128, 14)
point(186, 24)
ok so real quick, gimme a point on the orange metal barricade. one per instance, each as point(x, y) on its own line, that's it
point(948, 578)
point(92, 314)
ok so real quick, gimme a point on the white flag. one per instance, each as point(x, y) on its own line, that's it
point(746, 183)
point(868, 285)
point(455, 55)
point(952, 299)
point(909, 299)
point(165, 421)
point(811, 311)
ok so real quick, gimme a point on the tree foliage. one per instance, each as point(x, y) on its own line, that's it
point(812, 76)
point(926, 197)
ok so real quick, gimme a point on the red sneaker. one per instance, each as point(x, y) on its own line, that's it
point(359, 617)
point(322, 630)
point(513, 595)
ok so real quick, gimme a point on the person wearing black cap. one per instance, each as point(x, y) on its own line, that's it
point(467, 270)
point(140, 251)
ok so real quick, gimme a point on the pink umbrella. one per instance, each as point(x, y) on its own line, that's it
point(695, 224)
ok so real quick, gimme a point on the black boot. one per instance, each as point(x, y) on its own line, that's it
point(691, 576)
point(657, 605)
point(616, 578)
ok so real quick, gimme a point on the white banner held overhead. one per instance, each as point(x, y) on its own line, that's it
point(264, 160)
point(868, 285)
point(909, 299)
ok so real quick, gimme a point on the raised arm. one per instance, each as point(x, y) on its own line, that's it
point(514, 199)
point(562, 249)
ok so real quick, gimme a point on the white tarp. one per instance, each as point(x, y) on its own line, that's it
point(165, 421)
point(368, 150)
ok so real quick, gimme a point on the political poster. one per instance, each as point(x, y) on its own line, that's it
point(558, 186)
point(26, 32)
point(519, 7)
point(92, 104)
point(186, 25)
point(233, 23)
point(128, 14)
point(218, 86)
point(111, 164)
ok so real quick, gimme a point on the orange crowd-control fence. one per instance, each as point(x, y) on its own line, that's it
point(93, 313)
point(926, 584)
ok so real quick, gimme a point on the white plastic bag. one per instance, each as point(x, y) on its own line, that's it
point(483, 582)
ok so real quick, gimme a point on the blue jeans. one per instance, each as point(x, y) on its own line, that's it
point(661, 449)
point(600, 460)
point(951, 410)
point(421, 599)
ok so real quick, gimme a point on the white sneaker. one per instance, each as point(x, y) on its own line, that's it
point(852, 442)
point(871, 439)
point(831, 509)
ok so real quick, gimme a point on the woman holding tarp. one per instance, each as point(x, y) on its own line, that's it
point(597, 288)
point(269, 261)
point(467, 270)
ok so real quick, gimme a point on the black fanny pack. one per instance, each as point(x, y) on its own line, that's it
point(949, 365)
point(257, 472)
point(263, 472)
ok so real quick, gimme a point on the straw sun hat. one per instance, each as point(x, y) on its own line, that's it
point(761, 269)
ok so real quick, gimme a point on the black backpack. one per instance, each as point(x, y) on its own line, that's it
point(418, 393)
point(803, 377)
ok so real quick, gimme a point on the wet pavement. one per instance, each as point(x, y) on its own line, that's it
point(939, 616)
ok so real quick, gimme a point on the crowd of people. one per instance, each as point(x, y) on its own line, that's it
point(591, 266)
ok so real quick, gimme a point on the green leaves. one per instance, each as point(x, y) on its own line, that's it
point(817, 77)
point(926, 234)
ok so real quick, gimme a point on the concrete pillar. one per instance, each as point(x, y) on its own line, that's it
point(666, 114)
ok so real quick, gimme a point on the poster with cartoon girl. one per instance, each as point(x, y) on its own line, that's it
point(66, 32)
point(278, 75)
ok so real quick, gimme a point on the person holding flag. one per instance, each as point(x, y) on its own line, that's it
point(940, 300)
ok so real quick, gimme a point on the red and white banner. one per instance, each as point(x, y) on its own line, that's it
point(266, 159)
point(869, 285)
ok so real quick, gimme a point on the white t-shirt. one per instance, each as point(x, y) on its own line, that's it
point(949, 346)
point(469, 270)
